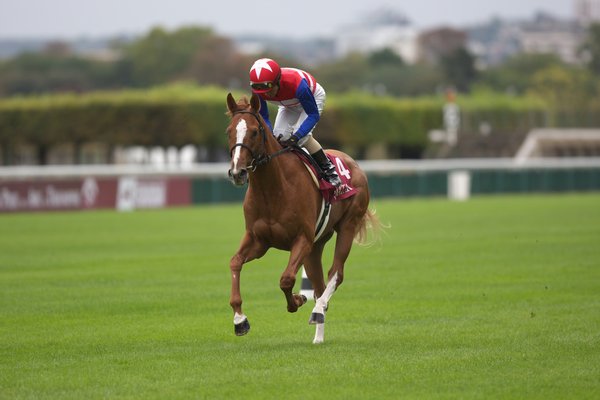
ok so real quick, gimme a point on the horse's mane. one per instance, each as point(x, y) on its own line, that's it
point(242, 104)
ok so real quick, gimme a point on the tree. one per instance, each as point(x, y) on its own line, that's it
point(591, 48)
point(344, 74)
point(403, 80)
point(162, 56)
point(385, 57)
point(217, 62)
point(564, 87)
point(381, 72)
point(459, 69)
point(33, 73)
point(515, 74)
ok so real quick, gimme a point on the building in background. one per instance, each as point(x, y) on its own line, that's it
point(587, 11)
point(434, 44)
point(382, 29)
point(497, 40)
point(492, 41)
point(547, 34)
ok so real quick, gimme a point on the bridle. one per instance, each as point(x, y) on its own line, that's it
point(257, 159)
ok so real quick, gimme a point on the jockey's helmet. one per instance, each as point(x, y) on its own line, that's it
point(264, 74)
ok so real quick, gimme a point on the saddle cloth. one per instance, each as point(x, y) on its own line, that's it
point(328, 191)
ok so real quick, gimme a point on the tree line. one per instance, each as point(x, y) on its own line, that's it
point(198, 55)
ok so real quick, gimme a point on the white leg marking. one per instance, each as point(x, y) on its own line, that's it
point(238, 318)
point(320, 305)
point(322, 301)
point(319, 334)
point(241, 130)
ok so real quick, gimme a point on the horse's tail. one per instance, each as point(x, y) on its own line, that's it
point(369, 223)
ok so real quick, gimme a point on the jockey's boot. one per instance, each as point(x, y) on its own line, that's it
point(327, 167)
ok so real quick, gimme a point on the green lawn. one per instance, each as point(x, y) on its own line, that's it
point(497, 297)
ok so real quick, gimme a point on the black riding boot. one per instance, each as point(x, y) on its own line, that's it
point(327, 167)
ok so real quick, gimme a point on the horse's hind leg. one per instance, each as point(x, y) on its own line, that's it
point(313, 266)
point(343, 245)
point(335, 275)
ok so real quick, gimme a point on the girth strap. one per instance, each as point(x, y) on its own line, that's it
point(323, 219)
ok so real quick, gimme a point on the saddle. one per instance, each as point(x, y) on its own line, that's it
point(330, 193)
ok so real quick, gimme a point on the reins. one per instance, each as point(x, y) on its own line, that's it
point(260, 159)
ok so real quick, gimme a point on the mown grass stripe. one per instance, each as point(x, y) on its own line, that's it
point(497, 297)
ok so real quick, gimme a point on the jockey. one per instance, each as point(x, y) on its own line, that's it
point(301, 100)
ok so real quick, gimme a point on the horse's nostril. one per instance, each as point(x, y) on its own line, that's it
point(239, 176)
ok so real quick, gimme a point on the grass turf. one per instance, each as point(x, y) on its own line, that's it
point(496, 297)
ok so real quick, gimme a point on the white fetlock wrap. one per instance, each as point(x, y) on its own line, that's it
point(321, 303)
point(239, 318)
point(318, 308)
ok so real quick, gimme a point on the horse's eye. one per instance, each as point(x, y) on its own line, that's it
point(254, 133)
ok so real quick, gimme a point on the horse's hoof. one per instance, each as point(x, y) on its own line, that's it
point(242, 328)
point(299, 301)
point(316, 318)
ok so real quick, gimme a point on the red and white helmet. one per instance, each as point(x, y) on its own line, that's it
point(264, 74)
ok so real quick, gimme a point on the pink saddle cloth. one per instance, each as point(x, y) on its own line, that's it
point(328, 191)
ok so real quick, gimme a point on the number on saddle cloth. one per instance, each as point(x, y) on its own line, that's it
point(329, 193)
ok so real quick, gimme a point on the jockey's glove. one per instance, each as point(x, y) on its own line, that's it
point(292, 141)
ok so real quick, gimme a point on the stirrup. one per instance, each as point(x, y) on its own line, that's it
point(333, 178)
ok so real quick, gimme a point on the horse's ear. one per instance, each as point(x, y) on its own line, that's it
point(255, 102)
point(231, 104)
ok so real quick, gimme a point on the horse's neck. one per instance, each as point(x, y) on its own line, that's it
point(273, 179)
point(277, 188)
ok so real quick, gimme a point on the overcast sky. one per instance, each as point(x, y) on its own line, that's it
point(300, 19)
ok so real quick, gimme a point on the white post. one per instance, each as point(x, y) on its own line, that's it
point(306, 288)
point(459, 185)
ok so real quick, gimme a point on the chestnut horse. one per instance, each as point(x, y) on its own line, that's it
point(281, 208)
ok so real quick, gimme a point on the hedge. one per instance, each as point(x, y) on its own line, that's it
point(165, 116)
point(186, 114)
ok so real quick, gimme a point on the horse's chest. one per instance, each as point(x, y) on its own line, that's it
point(277, 234)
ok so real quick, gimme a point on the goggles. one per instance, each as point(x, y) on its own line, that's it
point(262, 85)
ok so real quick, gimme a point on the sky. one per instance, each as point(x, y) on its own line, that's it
point(68, 19)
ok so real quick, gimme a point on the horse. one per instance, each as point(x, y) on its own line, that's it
point(281, 207)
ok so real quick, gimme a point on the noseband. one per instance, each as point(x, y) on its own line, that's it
point(257, 159)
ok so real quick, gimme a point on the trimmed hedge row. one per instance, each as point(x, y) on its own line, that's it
point(359, 120)
point(165, 117)
point(181, 114)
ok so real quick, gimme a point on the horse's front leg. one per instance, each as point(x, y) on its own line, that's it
point(240, 321)
point(288, 279)
point(249, 250)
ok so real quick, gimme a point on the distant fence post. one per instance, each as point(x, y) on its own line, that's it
point(459, 185)
point(306, 288)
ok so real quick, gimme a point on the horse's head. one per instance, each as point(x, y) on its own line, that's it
point(247, 138)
